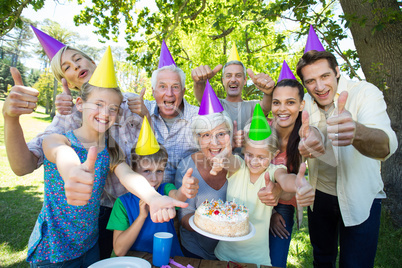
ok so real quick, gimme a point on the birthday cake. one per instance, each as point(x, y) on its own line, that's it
point(222, 218)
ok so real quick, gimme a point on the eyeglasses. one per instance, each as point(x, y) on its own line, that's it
point(112, 108)
point(206, 137)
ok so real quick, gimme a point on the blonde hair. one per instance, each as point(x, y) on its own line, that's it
point(116, 154)
point(204, 123)
point(271, 143)
point(55, 64)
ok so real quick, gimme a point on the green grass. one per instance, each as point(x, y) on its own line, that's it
point(21, 200)
point(20, 197)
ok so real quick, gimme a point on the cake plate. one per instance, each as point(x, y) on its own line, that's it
point(222, 238)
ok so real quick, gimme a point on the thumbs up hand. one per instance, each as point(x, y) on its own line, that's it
point(341, 127)
point(305, 193)
point(189, 186)
point(21, 99)
point(220, 161)
point(238, 136)
point(79, 181)
point(136, 104)
point(64, 101)
point(304, 130)
point(202, 73)
point(311, 144)
point(270, 194)
point(262, 81)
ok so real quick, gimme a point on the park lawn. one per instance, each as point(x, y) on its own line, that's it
point(21, 200)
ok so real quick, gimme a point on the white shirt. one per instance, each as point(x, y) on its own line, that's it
point(358, 177)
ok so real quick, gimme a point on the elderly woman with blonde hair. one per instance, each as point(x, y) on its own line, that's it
point(211, 133)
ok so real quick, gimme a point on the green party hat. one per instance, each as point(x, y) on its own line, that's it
point(259, 129)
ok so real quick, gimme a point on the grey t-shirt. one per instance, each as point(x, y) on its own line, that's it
point(242, 112)
point(193, 241)
point(169, 122)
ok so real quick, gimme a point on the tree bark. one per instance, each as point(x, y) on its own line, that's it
point(53, 108)
point(380, 54)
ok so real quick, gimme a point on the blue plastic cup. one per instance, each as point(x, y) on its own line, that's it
point(161, 249)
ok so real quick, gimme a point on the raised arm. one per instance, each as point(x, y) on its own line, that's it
point(311, 143)
point(20, 100)
point(344, 131)
point(305, 193)
point(162, 208)
point(78, 178)
point(188, 189)
point(225, 160)
point(200, 75)
point(264, 83)
point(137, 106)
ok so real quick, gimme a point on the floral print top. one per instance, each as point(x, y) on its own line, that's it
point(63, 232)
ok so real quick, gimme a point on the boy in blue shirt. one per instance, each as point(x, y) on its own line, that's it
point(130, 221)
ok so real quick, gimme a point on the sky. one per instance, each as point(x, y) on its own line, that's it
point(63, 11)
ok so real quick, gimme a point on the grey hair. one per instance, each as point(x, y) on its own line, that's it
point(55, 64)
point(271, 143)
point(204, 123)
point(235, 62)
point(172, 68)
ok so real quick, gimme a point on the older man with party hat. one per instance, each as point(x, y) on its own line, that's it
point(357, 136)
point(170, 114)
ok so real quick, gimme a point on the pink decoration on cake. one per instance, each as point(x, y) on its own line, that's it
point(222, 218)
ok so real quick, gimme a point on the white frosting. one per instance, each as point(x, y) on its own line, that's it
point(227, 211)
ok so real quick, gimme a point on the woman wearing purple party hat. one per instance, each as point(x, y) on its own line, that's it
point(212, 130)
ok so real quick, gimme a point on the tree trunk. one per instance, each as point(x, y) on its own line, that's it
point(53, 113)
point(380, 54)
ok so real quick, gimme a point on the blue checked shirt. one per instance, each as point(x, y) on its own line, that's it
point(178, 141)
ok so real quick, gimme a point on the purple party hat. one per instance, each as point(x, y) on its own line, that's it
point(286, 73)
point(210, 103)
point(49, 44)
point(313, 43)
point(165, 58)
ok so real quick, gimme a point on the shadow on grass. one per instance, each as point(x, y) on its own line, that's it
point(19, 209)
